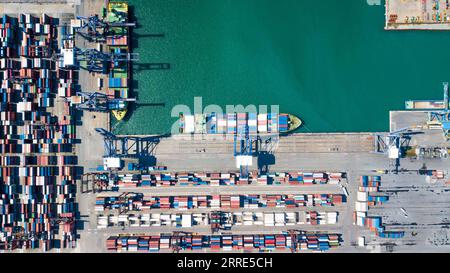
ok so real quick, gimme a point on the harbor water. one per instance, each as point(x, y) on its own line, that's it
point(329, 62)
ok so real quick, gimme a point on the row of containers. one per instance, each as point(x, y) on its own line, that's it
point(232, 123)
point(39, 160)
point(36, 67)
point(11, 117)
point(368, 196)
point(67, 83)
point(8, 37)
point(218, 220)
point(38, 134)
point(162, 179)
point(44, 244)
point(38, 173)
point(139, 202)
point(37, 148)
point(23, 111)
point(254, 242)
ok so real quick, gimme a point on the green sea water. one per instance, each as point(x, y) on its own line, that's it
point(330, 62)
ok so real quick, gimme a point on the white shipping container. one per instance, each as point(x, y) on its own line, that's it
point(359, 221)
point(361, 241)
point(361, 206)
point(362, 196)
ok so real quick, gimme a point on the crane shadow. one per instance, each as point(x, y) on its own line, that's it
point(138, 67)
point(133, 106)
point(149, 35)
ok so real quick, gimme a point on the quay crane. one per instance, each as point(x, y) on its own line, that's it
point(88, 27)
point(96, 61)
point(442, 117)
point(391, 144)
point(98, 102)
point(243, 151)
point(120, 146)
point(438, 111)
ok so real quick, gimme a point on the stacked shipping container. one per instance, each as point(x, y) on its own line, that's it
point(162, 179)
point(37, 177)
point(261, 243)
point(366, 197)
point(139, 202)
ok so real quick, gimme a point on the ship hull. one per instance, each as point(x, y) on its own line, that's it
point(237, 123)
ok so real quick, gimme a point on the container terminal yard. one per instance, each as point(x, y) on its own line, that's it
point(69, 184)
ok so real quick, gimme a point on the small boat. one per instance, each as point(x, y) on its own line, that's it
point(119, 114)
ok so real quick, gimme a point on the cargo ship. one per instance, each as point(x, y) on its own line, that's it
point(117, 40)
point(236, 123)
point(302, 241)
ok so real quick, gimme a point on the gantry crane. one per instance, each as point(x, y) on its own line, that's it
point(179, 243)
point(100, 102)
point(120, 146)
point(294, 240)
point(442, 117)
point(98, 61)
point(243, 150)
point(94, 60)
point(93, 28)
point(218, 220)
point(61, 219)
point(390, 144)
point(215, 221)
point(19, 236)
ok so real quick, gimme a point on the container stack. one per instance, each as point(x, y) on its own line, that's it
point(162, 179)
point(139, 202)
point(221, 124)
point(368, 196)
point(252, 123)
point(8, 35)
point(38, 170)
point(262, 123)
point(261, 243)
point(272, 125)
point(231, 123)
point(283, 123)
